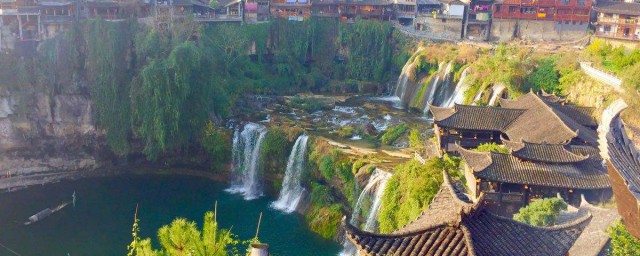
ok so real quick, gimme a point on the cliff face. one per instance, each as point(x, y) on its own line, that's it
point(43, 137)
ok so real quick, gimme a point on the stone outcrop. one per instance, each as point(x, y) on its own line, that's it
point(43, 136)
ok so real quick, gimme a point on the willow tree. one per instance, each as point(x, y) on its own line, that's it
point(109, 73)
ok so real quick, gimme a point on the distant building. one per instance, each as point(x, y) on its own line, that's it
point(618, 20)
point(623, 163)
point(535, 118)
point(453, 225)
point(442, 19)
point(294, 10)
point(532, 171)
point(478, 24)
point(540, 19)
point(348, 11)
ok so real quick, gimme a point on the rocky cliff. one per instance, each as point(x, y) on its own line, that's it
point(45, 137)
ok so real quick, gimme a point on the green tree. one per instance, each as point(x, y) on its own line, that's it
point(541, 212)
point(622, 242)
point(182, 237)
point(545, 77)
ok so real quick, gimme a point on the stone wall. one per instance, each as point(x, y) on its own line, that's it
point(537, 30)
point(450, 29)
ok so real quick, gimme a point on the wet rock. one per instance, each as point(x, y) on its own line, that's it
point(370, 129)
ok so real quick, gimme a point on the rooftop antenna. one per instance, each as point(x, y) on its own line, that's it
point(74, 198)
point(215, 212)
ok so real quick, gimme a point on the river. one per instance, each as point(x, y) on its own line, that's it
point(100, 223)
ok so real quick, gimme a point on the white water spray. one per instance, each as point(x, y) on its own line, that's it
point(292, 189)
point(246, 160)
point(373, 190)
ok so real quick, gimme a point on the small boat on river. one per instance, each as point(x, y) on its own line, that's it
point(48, 211)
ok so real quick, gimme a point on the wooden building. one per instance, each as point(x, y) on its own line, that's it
point(623, 164)
point(453, 225)
point(294, 10)
point(348, 11)
point(536, 118)
point(531, 171)
point(618, 20)
point(555, 10)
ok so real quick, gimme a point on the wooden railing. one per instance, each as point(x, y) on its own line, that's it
point(504, 197)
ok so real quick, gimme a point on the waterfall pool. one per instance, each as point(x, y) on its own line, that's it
point(100, 223)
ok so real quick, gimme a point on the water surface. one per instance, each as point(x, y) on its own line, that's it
point(100, 224)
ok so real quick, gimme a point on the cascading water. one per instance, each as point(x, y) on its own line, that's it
point(445, 90)
point(458, 94)
point(498, 89)
point(246, 160)
point(403, 80)
point(373, 190)
point(292, 189)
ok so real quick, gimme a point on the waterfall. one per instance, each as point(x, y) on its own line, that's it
point(292, 189)
point(458, 94)
point(407, 70)
point(498, 89)
point(246, 160)
point(373, 190)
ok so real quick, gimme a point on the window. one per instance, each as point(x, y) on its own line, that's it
point(497, 8)
point(564, 2)
point(513, 9)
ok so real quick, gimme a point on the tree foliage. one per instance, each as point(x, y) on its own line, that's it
point(541, 212)
point(622, 242)
point(492, 147)
point(182, 237)
point(410, 191)
point(545, 77)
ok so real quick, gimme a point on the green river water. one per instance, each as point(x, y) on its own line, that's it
point(100, 223)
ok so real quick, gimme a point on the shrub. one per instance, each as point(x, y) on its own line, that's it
point(545, 77)
point(275, 149)
point(541, 212)
point(492, 147)
point(410, 190)
point(217, 143)
point(622, 242)
point(393, 133)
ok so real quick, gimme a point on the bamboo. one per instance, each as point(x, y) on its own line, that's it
point(258, 229)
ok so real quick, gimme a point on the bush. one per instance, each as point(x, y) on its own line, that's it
point(492, 147)
point(274, 150)
point(622, 242)
point(541, 212)
point(393, 133)
point(416, 140)
point(323, 215)
point(410, 190)
point(308, 104)
point(545, 77)
point(216, 142)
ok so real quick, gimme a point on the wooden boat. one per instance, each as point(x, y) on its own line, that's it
point(48, 212)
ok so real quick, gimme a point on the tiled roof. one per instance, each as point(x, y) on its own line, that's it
point(471, 231)
point(587, 174)
point(548, 153)
point(475, 117)
point(582, 115)
point(532, 117)
point(619, 150)
point(542, 123)
point(612, 7)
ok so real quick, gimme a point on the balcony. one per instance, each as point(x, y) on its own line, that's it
point(504, 197)
point(530, 2)
point(629, 22)
point(216, 17)
point(57, 19)
point(618, 35)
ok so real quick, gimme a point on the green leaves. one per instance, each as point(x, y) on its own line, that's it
point(541, 212)
point(182, 237)
point(622, 242)
point(410, 190)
